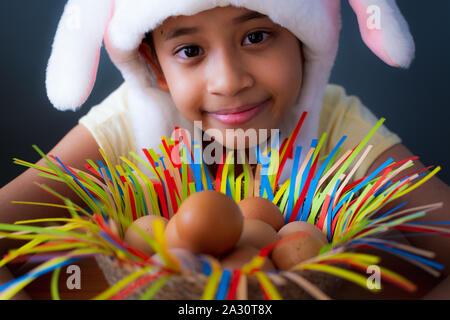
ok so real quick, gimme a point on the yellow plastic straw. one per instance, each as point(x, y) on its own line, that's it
point(345, 274)
point(280, 192)
point(418, 184)
point(211, 286)
point(238, 195)
point(168, 258)
point(121, 284)
point(268, 286)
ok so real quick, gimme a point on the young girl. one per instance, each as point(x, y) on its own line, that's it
point(228, 64)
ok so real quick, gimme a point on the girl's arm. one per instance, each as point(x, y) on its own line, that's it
point(77, 146)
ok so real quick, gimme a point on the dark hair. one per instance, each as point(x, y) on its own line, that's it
point(149, 40)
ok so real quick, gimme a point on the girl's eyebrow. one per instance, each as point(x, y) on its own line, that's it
point(190, 30)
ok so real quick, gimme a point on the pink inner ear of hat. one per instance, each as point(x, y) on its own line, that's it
point(373, 38)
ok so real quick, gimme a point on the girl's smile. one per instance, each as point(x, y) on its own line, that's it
point(239, 115)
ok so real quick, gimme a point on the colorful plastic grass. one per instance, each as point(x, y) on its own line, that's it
point(320, 191)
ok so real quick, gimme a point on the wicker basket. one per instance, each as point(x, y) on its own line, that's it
point(191, 286)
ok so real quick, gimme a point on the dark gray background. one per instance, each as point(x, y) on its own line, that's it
point(414, 101)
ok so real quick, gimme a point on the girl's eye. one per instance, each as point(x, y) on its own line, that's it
point(193, 51)
point(189, 51)
point(257, 37)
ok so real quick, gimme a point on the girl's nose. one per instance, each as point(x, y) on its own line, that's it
point(226, 75)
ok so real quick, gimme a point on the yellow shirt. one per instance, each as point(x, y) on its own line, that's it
point(109, 123)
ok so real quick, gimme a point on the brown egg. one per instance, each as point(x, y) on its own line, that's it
point(257, 234)
point(240, 256)
point(172, 236)
point(262, 209)
point(188, 261)
point(209, 222)
point(296, 226)
point(134, 239)
point(301, 246)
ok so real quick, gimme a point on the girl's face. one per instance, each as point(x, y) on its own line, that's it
point(229, 68)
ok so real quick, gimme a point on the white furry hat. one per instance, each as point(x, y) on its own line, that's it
point(122, 24)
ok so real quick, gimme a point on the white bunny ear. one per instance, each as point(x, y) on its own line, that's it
point(385, 31)
point(73, 63)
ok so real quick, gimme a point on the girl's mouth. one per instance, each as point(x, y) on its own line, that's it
point(239, 116)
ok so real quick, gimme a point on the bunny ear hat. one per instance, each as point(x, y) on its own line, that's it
point(122, 25)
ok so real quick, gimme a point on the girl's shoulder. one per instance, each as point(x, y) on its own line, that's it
point(343, 113)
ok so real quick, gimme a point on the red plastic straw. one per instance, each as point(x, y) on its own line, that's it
point(289, 147)
point(236, 276)
point(323, 213)
point(170, 185)
point(304, 192)
point(162, 199)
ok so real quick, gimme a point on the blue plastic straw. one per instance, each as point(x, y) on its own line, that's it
point(402, 253)
point(362, 184)
point(223, 285)
point(290, 203)
point(312, 188)
point(330, 206)
point(81, 185)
